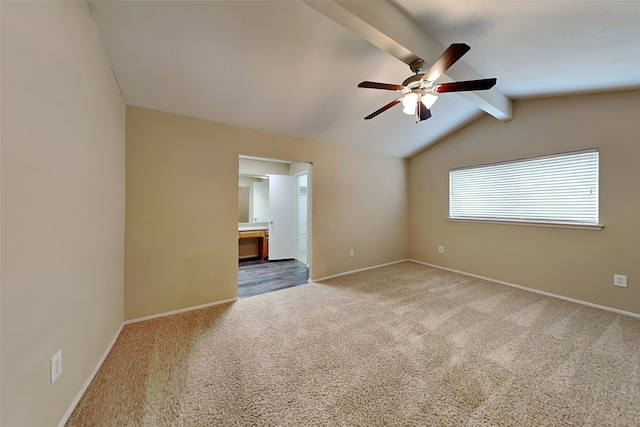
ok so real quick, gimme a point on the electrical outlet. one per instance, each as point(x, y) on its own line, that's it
point(440, 249)
point(620, 280)
point(56, 366)
point(350, 252)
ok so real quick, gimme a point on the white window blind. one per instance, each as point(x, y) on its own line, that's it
point(561, 188)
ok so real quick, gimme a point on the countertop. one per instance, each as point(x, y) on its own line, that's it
point(248, 226)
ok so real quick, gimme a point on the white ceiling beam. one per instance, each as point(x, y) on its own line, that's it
point(384, 25)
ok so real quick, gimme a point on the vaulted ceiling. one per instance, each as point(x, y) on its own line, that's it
point(292, 67)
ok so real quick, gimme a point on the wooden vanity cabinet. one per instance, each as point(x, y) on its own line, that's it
point(261, 238)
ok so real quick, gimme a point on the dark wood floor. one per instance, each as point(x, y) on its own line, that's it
point(259, 277)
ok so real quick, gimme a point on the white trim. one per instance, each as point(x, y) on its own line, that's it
point(537, 291)
point(75, 401)
point(356, 271)
point(308, 172)
point(529, 223)
point(181, 310)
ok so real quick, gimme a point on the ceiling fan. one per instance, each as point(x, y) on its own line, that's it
point(419, 92)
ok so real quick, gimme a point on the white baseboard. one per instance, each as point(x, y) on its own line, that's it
point(537, 291)
point(358, 270)
point(182, 310)
point(75, 401)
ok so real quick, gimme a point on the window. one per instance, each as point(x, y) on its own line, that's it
point(560, 188)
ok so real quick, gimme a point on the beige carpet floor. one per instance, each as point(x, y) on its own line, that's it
point(404, 345)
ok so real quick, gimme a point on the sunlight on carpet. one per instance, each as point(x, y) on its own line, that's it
point(404, 345)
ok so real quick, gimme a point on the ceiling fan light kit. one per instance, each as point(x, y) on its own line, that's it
point(410, 103)
point(419, 92)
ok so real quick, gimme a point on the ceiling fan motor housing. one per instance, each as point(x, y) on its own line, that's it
point(416, 65)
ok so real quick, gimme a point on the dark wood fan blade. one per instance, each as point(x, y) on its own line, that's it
point(423, 112)
point(482, 84)
point(446, 60)
point(386, 86)
point(383, 109)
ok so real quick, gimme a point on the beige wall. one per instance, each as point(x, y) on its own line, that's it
point(62, 206)
point(574, 263)
point(262, 167)
point(182, 191)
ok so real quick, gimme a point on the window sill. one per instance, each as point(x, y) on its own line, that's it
point(531, 223)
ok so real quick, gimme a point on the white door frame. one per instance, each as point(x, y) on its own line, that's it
point(298, 175)
point(309, 202)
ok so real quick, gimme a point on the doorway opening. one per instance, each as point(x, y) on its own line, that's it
point(274, 224)
point(302, 188)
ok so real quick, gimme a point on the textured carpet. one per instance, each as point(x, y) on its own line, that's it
point(404, 345)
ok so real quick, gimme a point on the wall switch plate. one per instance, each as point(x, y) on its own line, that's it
point(620, 280)
point(350, 252)
point(440, 249)
point(56, 366)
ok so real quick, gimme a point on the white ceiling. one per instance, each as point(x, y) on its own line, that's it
point(290, 67)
